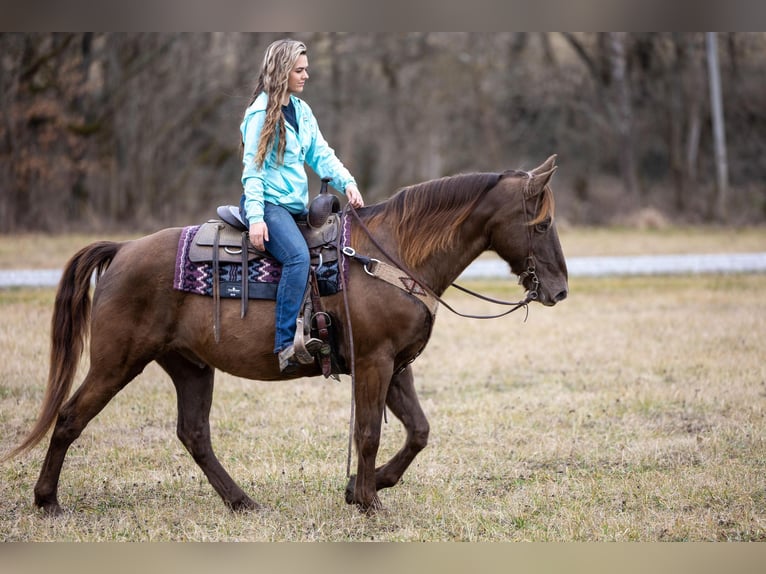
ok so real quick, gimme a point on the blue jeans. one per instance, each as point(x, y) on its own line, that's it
point(286, 245)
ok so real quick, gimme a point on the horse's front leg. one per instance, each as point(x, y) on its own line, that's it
point(370, 396)
point(403, 402)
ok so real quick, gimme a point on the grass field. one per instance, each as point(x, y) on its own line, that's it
point(634, 410)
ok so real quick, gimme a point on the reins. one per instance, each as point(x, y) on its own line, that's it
point(352, 360)
point(515, 305)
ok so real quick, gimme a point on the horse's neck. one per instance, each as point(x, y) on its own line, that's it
point(439, 269)
point(442, 269)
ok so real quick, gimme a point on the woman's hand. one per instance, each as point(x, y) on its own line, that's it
point(259, 234)
point(353, 195)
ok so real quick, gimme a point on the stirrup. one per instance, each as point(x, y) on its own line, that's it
point(304, 347)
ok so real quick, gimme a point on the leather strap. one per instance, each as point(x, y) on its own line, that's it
point(245, 278)
point(397, 277)
point(216, 286)
point(319, 318)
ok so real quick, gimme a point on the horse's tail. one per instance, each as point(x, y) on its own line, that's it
point(71, 314)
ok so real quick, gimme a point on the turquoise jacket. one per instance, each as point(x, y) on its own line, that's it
point(286, 184)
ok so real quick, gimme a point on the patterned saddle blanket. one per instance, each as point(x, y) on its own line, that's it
point(263, 272)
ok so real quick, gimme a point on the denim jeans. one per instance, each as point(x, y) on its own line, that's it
point(286, 245)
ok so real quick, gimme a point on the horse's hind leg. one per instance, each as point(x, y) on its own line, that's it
point(403, 402)
point(194, 388)
point(90, 398)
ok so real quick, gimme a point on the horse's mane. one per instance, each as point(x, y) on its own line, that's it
point(427, 215)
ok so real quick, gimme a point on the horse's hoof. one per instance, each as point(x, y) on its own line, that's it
point(369, 509)
point(49, 505)
point(245, 504)
point(51, 510)
point(374, 508)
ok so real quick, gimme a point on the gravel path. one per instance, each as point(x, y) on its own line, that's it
point(492, 268)
point(29, 277)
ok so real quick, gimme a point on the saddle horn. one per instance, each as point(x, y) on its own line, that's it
point(322, 206)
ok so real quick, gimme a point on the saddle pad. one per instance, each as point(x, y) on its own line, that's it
point(263, 274)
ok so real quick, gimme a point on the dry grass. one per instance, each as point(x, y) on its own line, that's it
point(632, 411)
point(41, 251)
point(595, 241)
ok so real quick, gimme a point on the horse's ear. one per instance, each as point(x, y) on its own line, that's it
point(539, 181)
point(547, 165)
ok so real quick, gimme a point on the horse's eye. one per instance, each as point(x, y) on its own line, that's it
point(543, 226)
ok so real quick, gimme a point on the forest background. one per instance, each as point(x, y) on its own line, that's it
point(135, 131)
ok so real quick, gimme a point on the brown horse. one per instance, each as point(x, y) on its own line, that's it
point(434, 230)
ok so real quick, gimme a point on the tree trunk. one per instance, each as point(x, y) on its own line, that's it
point(623, 115)
point(718, 207)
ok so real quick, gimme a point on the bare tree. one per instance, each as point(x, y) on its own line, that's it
point(718, 208)
point(142, 129)
point(606, 63)
point(622, 113)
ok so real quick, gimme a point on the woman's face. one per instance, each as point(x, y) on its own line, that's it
point(298, 75)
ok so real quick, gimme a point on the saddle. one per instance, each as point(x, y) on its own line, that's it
point(226, 240)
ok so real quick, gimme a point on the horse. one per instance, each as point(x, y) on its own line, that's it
point(433, 230)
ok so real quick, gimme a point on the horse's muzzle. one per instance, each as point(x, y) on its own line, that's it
point(549, 301)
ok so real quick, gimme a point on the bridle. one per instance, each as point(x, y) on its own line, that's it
point(531, 270)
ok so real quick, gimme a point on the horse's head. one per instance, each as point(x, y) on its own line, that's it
point(523, 232)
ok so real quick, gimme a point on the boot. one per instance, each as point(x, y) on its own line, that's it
point(301, 352)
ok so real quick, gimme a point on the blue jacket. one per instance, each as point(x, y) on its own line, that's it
point(286, 184)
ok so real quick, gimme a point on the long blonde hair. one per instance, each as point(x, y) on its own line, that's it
point(278, 62)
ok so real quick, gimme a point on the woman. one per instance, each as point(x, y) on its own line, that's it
point(280, 134)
